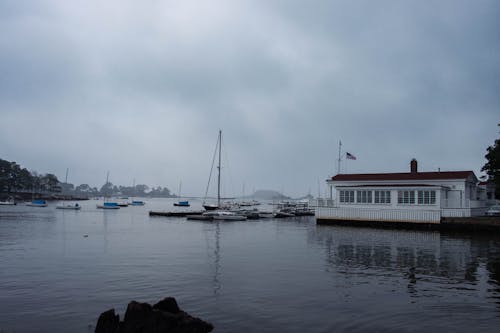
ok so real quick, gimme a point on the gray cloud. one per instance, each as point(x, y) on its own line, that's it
point(141, 88)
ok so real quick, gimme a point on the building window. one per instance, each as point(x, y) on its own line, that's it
point(426, 197)
point(406, 197)
point(346, 196)
point(364, 196)
point(382, 197)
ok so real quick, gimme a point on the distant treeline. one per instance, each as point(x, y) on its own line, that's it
point(14, 178)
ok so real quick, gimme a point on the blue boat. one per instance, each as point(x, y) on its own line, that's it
point(37, 203)
point(109, 205)
point(137, 203)
point(183, 203)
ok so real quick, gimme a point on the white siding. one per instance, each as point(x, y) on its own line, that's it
point(453, 199)
point(383, 215)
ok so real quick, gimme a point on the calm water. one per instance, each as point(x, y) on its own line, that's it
point(253, 276)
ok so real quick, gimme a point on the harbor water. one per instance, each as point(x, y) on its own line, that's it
point(59, 269)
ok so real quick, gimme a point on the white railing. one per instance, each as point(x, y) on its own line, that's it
point(477, 203)
point(322, 202)
point(458, 204)
point(463, 212)
point(385, 215)
point(455, 212)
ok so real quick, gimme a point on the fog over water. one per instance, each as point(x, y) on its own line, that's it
point(141, 89)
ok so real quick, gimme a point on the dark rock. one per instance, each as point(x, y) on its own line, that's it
point(108, 322)
point(168, 304)
point(164, 316)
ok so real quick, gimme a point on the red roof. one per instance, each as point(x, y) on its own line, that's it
point(403, 176)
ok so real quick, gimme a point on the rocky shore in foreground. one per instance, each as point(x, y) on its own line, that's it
point(165, 316)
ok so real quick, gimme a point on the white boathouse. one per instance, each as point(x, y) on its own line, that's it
point(419, 197)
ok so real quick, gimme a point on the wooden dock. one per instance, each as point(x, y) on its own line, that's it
point(175, 214)
point(467, 224)
point(480, 223)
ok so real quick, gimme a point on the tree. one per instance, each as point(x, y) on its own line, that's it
point(492, 166)
point(5, 169)
point(141, 189)
point(49, 183)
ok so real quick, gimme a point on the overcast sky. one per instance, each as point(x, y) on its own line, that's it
point(141, 88)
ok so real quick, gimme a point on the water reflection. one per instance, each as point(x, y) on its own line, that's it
point(212, 236)
point(416, 255)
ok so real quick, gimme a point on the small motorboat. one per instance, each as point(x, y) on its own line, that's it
point(9, 202)
point(224, 215)
point(182, 204)
point(108, 205)
point(76, 206)
point(210, 206)
point(37, 203)
point(137, 203)
point(266, 215)
point(283, 214)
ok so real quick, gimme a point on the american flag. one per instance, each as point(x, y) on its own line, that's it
point(350, 156)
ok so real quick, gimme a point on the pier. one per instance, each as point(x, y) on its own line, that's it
point(175, 214)
point(478, 223)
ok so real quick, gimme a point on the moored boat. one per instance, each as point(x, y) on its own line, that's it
point(224, 215)
point(210, 206)
point(181, 203)
point(108, 205)
point(37, 203)
point(76, 206)
point(137, 203)
point(9, 202)
point(283, 214)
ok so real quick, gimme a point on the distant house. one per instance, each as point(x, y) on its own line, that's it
point(487, 193)
point(421, 197)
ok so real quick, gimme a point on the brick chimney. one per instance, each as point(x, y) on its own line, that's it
point(413, 166)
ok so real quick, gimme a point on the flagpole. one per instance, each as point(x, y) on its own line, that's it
point(338, 165)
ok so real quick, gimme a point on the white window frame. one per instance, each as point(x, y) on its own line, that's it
point(382, 197)
point(346, 196)
point(406, 197)
point(426, 197)
point(364, 196)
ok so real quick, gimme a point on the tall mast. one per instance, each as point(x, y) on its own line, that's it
point(105, 186)
point(218, 167)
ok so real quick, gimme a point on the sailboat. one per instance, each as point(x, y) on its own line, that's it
point(221, 211)
point(74, 206)
point(36, 202)
point(184, 203)
point(107, 204)
point(136, 202)
point(215, 206)
point(216, 212)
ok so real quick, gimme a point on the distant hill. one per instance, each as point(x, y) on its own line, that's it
point(306, 197)
point(269, 195)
